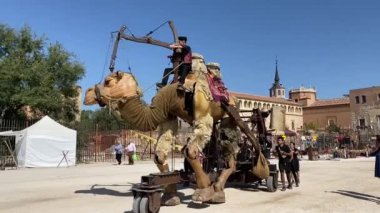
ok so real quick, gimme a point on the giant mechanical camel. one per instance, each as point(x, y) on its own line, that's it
point(120, 92)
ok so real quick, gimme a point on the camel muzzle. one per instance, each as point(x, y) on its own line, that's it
point(98, 95)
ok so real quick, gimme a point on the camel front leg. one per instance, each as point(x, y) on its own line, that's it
point(166, 138)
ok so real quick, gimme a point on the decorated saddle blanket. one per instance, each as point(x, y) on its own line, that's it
point(217, 89)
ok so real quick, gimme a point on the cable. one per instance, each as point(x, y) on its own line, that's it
point(106, 58)
point(151, 32)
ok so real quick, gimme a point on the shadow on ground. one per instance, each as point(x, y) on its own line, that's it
point(357, 195)
point(98, 189)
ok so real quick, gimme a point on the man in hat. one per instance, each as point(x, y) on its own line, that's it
point(184, 57)
point(214, 70)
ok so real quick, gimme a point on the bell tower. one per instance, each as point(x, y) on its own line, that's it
point(277, 90)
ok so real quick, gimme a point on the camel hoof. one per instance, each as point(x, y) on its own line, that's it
point(170, 200)
point(219, 197)
point(203, 195)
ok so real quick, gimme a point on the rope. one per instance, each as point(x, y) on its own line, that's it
point(129, 31)
point(106, 58)
point(151, 32)
point(175, 68)
point(127, 58)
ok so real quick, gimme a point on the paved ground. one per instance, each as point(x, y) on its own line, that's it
point(326, 186)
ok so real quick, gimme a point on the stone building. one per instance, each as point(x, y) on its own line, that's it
point(365, 109)
point(293, 110)
point(321, 113)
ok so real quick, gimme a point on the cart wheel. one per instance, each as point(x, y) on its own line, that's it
point(136, 204)
point(271, 185)
point(144, 204)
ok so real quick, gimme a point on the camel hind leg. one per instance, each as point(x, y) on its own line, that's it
point(228, 139)
point(202, 133)
point(166, 138)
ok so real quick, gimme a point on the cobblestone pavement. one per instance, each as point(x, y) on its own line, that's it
point(326, 186)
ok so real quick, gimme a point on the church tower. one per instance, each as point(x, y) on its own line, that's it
point(277, 90)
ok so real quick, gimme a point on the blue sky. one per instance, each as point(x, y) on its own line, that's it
point(332, 45)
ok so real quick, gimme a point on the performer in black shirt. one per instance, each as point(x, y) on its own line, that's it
point(294, 164)
point(284, 156)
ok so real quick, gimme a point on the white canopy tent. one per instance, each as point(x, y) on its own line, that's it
point(45, 144)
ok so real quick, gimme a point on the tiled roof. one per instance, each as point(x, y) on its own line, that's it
point(330, 102)
point(264, 98)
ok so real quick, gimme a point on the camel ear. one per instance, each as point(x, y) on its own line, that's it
point(119, 75)
point(90, 97)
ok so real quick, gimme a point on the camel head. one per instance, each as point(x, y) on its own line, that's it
point(116, 86)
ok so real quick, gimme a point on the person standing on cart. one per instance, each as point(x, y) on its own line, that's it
point(284, 156)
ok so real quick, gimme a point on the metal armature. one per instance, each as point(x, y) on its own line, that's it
point(144, 39)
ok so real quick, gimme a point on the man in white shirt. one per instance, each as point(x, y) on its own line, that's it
point(131, 149)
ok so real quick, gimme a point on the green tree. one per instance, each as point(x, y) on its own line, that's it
point(36, 77)
point(309, 126)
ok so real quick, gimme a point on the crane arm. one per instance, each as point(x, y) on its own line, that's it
point(145, 39)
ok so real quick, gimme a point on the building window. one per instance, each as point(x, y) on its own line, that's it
point(364, 99)
point(296, 100)
point(293, 126)
point(378, 122)
point(331, 121)
point(362, 122)
point(357, 99)
point(378, 97)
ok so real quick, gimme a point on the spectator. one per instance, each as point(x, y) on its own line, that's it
point(118, 150)
point(131, 150)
